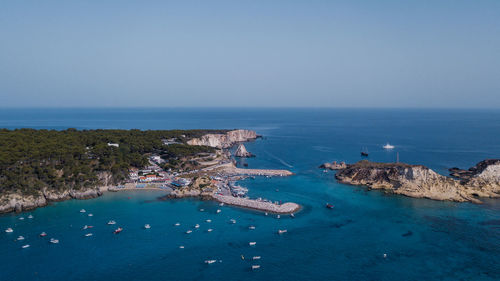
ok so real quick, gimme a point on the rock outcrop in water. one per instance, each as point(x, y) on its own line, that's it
point(224, 140)
point(241, 151)
point(421, 182)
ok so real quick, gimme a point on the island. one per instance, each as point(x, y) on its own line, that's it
point(41, 166)
point(482, 180)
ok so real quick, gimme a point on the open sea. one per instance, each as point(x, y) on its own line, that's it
point(423, 239)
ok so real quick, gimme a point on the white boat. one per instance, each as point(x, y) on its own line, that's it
point(111, 222)
point(196, 226)
point(9, 230)
point(221, 204)
point(147, 226)
point(252, 243)
point(25, 246)
point(266, 213)
point(21, 218)
point(209, 220)
point(202, 210)
point(189, 231)
point(181, 247)
point(233, 221)
point(251, 227)
point(210, 261)
point(255, 266)
point(20, 238)
point(177, 224)
point(256, 258)
point(91, 215)
point(281, 231)
point(278, 217)
point(43, 234)
point(88, 234)
point(54, 241)
point(388, 146)
point(292, 215)
point(218, 211)
point(30, 217)
point(82, 211)
point(209, 230)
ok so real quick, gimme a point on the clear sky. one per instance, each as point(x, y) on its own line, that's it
point(250, 53)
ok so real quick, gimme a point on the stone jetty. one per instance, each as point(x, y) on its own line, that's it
point(265, 206)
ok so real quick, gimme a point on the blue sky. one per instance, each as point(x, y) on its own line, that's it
point(250, 53)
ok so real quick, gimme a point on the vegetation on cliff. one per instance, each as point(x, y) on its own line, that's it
point(31, 160)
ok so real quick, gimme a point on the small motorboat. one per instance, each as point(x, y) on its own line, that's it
point(218, 211)
point(91, 215)
point(147, 226)
point(21, 218)
point(329, 206)
point(189, 231)
point(20, 238)
point(88, 234)
point(278, 216)
point(210, 261)
point(209, 230)
point(221, 204)
point(208, 220)
point(196, 226)
point(388, 146)
point(266, 213)
point(281, 231)
point(181, 247)
point(202, 210)
point(43, 234)
point(30, 217)
point(256, 258)
point(118, 230)
point(233, 221)
point(9, 230)
point(54, 241)
point(82, 211)
point(251, 227)
point(252, 243)
point(254, 267)
point(177, 224)
point(25, 246)
point(87, 226)
point(111, 222)
point(292, 215)
point(385, 256)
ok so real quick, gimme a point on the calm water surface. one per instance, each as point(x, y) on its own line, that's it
point(423, 239)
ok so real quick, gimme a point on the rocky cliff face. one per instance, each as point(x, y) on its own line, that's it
point(224, 140)
point(421, 182)
point(18, 202)
point(241, 151)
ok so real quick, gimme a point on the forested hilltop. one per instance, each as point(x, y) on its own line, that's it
point(31, 160)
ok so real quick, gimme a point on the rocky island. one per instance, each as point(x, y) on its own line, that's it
point(40, 166)
point(418, 181)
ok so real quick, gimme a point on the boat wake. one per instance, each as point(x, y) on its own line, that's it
point(279, 160)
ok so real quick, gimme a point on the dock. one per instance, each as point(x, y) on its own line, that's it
point(260, 205)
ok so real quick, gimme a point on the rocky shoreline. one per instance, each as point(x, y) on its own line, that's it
point(418, 181)
point(15, 202)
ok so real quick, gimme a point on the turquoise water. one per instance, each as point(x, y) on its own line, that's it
point(423, 239)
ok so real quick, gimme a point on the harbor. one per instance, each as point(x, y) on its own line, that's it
point(258, 204)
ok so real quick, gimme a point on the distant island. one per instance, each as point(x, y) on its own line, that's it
point(482, 180)
point(40, 166)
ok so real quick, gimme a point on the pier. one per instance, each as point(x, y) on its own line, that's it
point(265, 206)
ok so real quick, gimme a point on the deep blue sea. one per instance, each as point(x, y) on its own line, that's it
point(423, 239)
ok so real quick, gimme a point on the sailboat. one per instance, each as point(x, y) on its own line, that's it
point(388, 146)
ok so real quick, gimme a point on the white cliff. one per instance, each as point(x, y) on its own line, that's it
point(241, 151)
point(224, 140)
